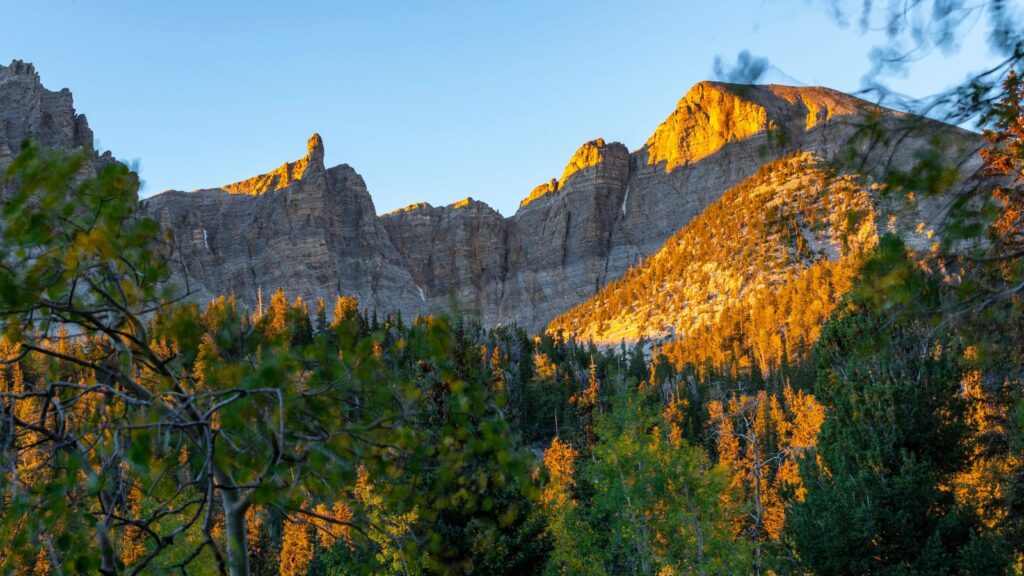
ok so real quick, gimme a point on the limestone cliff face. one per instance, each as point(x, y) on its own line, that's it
point(314, 231)
point(316, 234)
point(559, 244)
point(456, 254)
point(28, 111)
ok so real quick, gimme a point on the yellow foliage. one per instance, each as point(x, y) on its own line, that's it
point(329, 530)
point(296, 549)
point(559, 461)
point(759, 437)
point(544, 367)
point(343, 307)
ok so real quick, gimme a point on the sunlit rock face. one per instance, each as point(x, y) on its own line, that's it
point(559, 244)
point(714, 114)
point(314, 231)
point(718, 135)
point(590, 154)
point(288, 174)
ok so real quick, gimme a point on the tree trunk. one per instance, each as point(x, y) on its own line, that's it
point(108, 558)
point(234, 527)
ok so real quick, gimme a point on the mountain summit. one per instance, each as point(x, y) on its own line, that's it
point(713, 115)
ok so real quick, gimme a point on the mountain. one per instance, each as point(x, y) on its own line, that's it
point(750, 281)
point(314, 230)
point(310, 230)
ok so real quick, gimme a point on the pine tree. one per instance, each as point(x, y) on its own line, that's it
point(879, 496)
point(657, 506)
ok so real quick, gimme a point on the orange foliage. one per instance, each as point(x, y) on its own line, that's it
point(332, 523)
point(559, 461)
point(296, 548)
point(760, 436)
point(587, 398)
point(344, 306)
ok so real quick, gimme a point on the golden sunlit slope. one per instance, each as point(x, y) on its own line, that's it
point(752, 277)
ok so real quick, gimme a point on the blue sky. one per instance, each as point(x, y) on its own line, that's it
point(429, 101)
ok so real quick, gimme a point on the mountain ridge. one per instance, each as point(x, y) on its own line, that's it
point(314, 231)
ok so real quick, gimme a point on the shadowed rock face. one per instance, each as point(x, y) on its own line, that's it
point(28, 111)
point(314, 231)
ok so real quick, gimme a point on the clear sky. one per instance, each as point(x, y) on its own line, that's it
point(429, 101)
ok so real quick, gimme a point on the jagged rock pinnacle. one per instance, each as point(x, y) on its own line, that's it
point(315, 150)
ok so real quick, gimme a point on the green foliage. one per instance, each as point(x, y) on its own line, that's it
point(880, 496)
point(650, 503)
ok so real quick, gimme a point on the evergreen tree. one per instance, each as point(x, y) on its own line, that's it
point(879, 497)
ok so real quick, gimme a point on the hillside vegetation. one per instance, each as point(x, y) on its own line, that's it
point(752, 278)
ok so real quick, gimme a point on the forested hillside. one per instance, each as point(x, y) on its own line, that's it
point(750, 280)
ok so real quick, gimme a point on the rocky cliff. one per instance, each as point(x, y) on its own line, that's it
point(314, 231)
point(28, 111)
point(310, 230)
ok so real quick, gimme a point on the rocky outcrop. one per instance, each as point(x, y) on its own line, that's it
point(560, 245)
point(314, 233)
point(713, 115)
point(28, 111)
point(314, 230)
point(288, 174)
point(590, 154)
